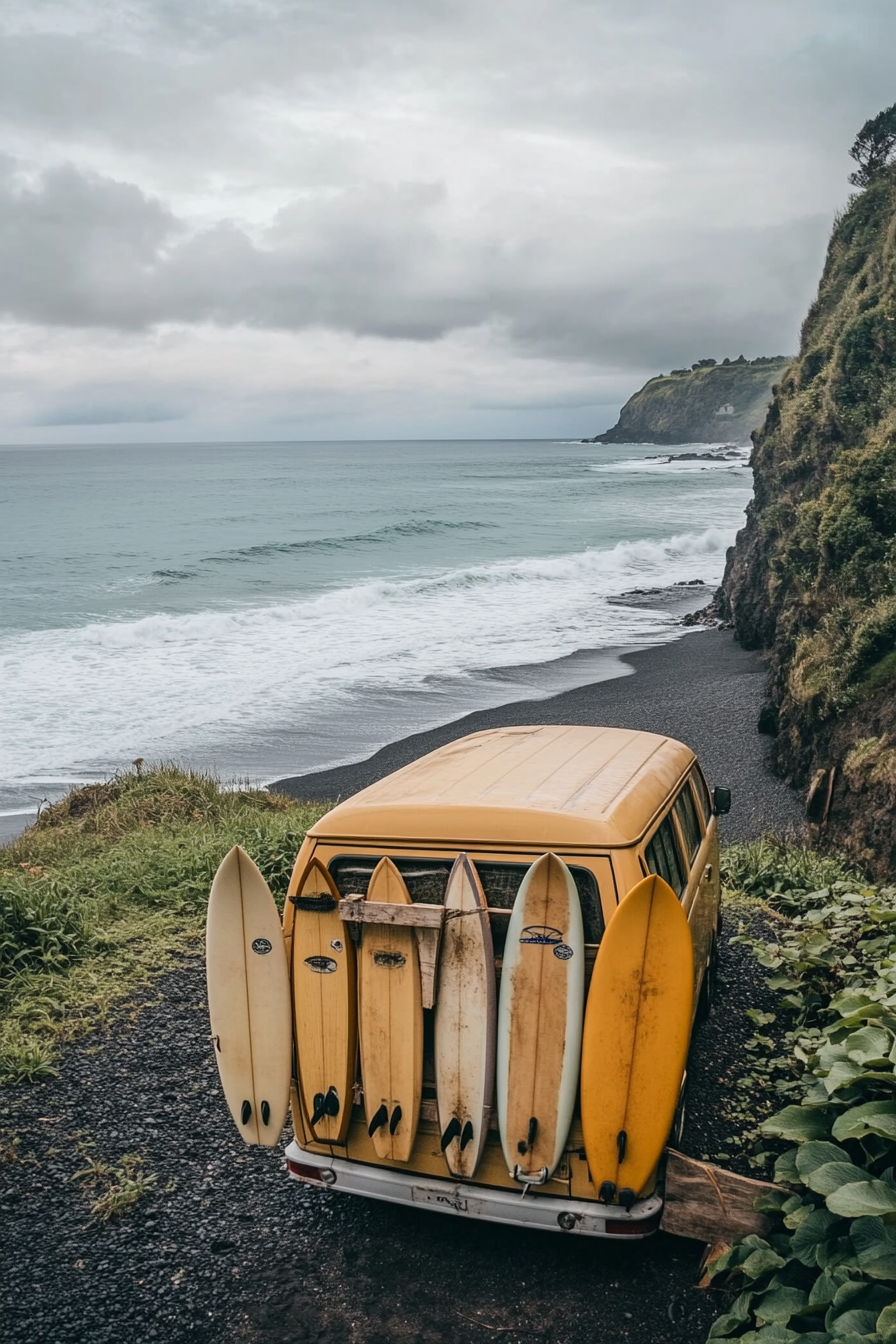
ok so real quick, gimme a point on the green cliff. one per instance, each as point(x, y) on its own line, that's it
point(812, 577)
point(708, 403)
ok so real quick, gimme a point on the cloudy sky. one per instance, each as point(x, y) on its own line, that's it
point(260, 218)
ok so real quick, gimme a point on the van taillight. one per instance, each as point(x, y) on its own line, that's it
point(304, 1172)
point(616, 1227)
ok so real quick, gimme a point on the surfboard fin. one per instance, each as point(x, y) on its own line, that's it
point(627, 1198)
point(607, 1192)
point(467, 1135)
point(246, 1112)
point(331, 1102)
point(533, 1130)
point(378, 1120)
point(452, 1129)
point(320, 1109)
point(396, 1120)
point(621, 1142)
point(265, 1112)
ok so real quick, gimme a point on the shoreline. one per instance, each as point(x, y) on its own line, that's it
point(703, 689)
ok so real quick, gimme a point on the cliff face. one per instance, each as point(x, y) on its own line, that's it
point(706, 404)
point(812, 576)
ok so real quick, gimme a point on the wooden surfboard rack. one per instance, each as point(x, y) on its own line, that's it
point(425, 920)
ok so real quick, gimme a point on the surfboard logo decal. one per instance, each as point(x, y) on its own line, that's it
point(323, 965)
point(542, 934)
point(262, 946)
point(390, 959)
point(336, 944)
point(563, 951)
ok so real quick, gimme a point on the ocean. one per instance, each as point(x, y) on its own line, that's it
point(264, 609)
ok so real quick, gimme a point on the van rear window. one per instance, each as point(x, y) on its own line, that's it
point(426, 880)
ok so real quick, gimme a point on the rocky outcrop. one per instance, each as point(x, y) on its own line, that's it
point(708, 403)
point(812, 577)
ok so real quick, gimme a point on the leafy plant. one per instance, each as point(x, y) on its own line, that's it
point(117, 1188)
point(828, 1271)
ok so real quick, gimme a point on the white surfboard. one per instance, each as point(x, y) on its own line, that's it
point(540, 1014)
point(248, 999)
point(465, 1022)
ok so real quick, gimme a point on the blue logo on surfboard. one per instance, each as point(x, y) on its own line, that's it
point(541, 933)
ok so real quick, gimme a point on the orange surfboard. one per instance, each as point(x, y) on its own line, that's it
point(635, 1043)
point(390, 1022)
point(324, 998)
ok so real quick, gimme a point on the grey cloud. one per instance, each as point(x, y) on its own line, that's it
point(80, 250)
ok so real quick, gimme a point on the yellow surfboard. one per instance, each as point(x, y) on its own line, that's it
point(324, 998)
point(540, 1021)
point(635, 1044)
point(390, 1022)
point(248, 998)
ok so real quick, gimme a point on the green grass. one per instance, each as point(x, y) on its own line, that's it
point(109, 886)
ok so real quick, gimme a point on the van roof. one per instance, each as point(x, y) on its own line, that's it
point(544, 786)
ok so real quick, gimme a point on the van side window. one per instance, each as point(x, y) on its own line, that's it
point(702, 794)
point(664, 857)
point(686, 812)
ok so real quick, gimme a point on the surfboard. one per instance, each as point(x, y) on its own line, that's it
point(540, 1020)
point(465, 1022)
point(324, 1003)
point(390, 1022)
point(635, 1046)
point(248, 999)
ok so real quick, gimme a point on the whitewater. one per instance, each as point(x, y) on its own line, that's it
point(264, 609)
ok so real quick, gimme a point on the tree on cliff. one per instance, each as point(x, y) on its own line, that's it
point(873, 147)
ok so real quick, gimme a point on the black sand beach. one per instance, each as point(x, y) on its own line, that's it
point(704, 690)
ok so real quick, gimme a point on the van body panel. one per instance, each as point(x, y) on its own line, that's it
point(597, 797)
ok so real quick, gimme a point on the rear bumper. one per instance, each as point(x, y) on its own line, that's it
point(585, 1217)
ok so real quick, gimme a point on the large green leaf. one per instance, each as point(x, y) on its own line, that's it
point(780, 1304)
point(856, 1308)
point(825, 1180)
point(875, 1247)
point(842, 1074)
point(862, 1199)
point(867, 1044)
point(818, 1153)
point(886, 1324)
point(798, 1124)
point(785, 1168)
point(811, 1234)
point(873, 1117)
point(762, 1262)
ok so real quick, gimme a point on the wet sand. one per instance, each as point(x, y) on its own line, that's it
point(704, 690)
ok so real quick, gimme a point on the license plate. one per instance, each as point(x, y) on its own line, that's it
point(446, 1199)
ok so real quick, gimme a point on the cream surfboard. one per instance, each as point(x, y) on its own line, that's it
point(248, 999)
point(635, 1046)
point(465, 1022)
point(540, 1020)
point(324, 1003)
point(390, 1022)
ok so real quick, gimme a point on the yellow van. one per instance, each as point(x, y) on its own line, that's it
point(615, 805)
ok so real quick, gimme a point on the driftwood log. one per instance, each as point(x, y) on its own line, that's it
point(710, 1204)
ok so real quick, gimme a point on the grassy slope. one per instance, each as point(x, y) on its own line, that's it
point(680, 408)
point(813, 576)
point(108, 885)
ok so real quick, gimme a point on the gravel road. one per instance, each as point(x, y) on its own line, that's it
point(226, 1248)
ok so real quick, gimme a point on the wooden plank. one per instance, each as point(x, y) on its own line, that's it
point(356, 909)
point(425, 920)
point(710, 1204)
